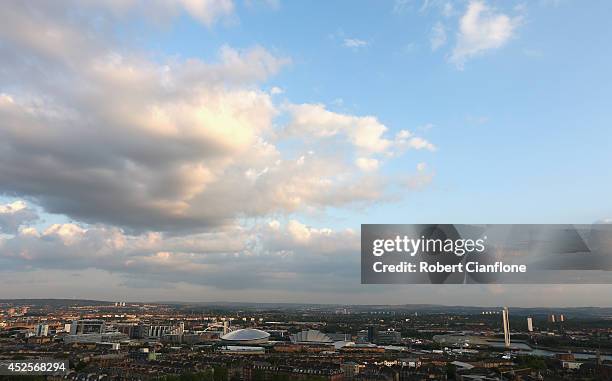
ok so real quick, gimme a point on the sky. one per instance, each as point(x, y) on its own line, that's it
point(229, 150)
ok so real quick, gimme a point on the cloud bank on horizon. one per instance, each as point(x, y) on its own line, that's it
point(153, 167)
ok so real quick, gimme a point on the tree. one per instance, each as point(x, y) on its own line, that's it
point(451, 371)
point(219, 374)
point(259, 375)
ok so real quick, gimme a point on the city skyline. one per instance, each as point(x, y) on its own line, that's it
point(88, 339)
point(199, 150)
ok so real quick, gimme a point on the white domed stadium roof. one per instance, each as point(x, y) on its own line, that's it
point(311, 336)
point(247, 336)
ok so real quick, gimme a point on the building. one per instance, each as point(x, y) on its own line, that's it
point(350, 369)
point(83, 327)
point(551, 318)
point(362, 348)
point(372, 334)
point(529, 324)
point(565, 356)
point(242, 350)
point(506, 323)
point(389, 337)
point(96, 338)
point(92, 331)
point(42, 330)
point(571, 365)
point(288, 348)
point(340, 336)
point(158, 331)
point(267, 371)
point(129, 329)
point(247, 336)
point(311, 336)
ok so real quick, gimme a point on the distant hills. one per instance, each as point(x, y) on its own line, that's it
point(58, 302)
point(595, 312)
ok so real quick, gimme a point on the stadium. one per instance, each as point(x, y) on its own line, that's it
point(247, 336)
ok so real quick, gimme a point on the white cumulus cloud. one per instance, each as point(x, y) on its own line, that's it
point(367, 163)
point(438, 36)
point(355, 43)
point(15, 214)
point(481, 28)
point(105, 134)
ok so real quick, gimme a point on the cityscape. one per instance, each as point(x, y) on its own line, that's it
point(233, 341)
